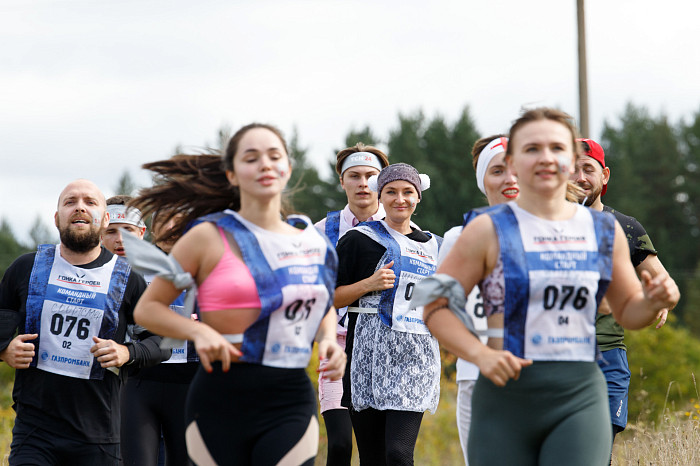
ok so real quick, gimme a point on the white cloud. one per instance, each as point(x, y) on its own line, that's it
point(89, 89)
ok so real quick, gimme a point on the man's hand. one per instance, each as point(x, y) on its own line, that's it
point(19, 353)
point(604, 307)
point(109, 353)
point(661, 317)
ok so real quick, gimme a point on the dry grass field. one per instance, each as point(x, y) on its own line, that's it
point(674, 439)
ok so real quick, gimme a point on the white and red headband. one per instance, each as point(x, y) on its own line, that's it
point(366, 159)
point(495, 147)
point(119, 213)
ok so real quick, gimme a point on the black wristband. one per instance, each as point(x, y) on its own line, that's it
point(130, 347)
point(433, 311)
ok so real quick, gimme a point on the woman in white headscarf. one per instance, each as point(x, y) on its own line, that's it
point(395, 370)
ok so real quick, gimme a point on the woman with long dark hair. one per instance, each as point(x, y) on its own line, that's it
point(265, 291)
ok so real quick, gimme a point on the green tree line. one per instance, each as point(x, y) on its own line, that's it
point(655, 177)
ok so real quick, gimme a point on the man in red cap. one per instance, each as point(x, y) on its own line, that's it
point(592, 176)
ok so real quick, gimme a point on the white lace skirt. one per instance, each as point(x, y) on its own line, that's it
point(393, 370)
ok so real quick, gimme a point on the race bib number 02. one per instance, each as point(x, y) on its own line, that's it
point(66, 338)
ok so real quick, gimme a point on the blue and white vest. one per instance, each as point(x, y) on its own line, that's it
point(295, 277)
point(556, 273)
point(335, 228)
point(413, 261)
point(67, 306)
point(337, 225)
point(185, 352)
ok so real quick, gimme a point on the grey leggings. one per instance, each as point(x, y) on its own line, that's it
point(556, 413)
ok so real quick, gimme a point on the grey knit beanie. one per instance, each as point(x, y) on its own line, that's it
point(399, 171)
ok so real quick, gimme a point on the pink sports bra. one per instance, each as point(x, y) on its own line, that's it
point(229, 285)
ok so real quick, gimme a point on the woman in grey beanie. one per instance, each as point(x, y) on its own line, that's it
point(394, 373)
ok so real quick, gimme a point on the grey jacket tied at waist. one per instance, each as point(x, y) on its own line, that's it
point(442, 285)
point(147, 259)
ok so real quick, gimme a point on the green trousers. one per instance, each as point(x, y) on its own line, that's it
point(556, 413)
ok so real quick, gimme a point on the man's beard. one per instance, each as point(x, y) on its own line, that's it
point(595, 194)
point(79, 242)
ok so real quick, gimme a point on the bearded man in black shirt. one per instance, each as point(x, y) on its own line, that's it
point(63, 316)
point(592, 175)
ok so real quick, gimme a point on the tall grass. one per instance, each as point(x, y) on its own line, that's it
point(671, 439)
point(674, 441)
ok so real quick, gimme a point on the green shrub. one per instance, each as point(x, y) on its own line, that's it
point(664, 363)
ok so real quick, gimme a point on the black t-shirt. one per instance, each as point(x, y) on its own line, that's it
point(84, 409)
point(358, 257)
point(637, 238)
point(609, 333)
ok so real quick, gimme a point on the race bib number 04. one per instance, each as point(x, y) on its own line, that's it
point(560, 321)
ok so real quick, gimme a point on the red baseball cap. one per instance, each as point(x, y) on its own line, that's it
point(593, 149)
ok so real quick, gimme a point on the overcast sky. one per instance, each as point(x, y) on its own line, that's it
point(90, 88)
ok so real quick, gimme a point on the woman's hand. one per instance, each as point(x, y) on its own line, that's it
point(500, 366)
point(212, 346)
point(382, 279)
point(661, 290)
point(332, 359)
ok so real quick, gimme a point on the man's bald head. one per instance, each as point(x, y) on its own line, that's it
point(81, 215)
point(83, 186)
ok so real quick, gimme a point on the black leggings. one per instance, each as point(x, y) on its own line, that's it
point(386, 437)
point(149, 407)
point(252, 415)
point(339, 430)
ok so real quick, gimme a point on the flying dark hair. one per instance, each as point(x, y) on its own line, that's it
point(194, 185)
point(190, 185)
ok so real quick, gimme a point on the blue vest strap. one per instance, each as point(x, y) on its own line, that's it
point(333, 226)
point(515, 275)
